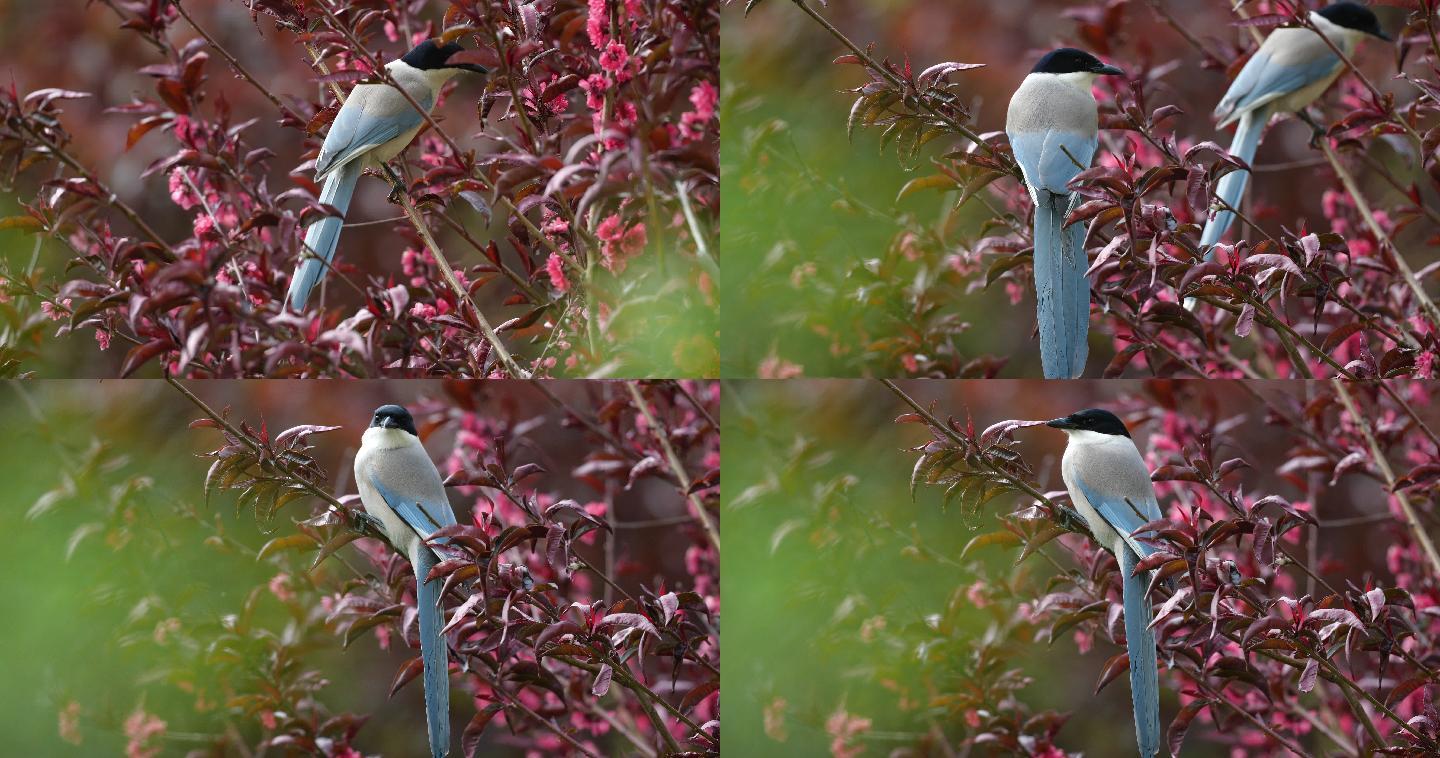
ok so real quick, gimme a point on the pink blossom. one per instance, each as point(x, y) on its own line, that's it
point(555, 268)
point(704, 96)
point(626, 114)
point(70, 723)
point(54, 311)
point(611, 229)
point(280, 587)
point(596, 23)
point(422, 311)
point(775, 719)
point(976, 595)
point(180, 192)
point(843, 729)
point(634, 240)
point(773, 367)
point(594, 87)
point(614, 58)
point(141, 729)
point(103, 338)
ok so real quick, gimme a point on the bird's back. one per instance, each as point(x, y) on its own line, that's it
point(1052, 126)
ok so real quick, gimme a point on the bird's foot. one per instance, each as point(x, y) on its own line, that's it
point(397, 186)
point(365, 523)
point(1317, 132)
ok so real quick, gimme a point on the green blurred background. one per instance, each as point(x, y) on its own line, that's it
point(84, 614)
point(832, 570)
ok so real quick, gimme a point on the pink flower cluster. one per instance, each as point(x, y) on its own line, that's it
point(142, 730)
point(618, 243)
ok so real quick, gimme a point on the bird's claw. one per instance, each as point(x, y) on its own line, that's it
point(367, 523)
point(1317, 132)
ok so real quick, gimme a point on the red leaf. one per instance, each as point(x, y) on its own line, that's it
point(470, 738)
point(1181, 724)
point(407, 671)
point(602, 681)
point(1307, 677)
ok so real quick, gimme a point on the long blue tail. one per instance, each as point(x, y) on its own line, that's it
point(1062, 292)
point(323, 235)
point(1232, 185)
point(1140, 642)
point(432, 652)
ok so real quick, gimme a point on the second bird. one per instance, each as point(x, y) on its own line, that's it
point(1292, 67)
point(375, 124)
point(1053, 126)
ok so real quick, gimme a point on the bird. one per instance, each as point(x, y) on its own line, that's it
point(1289, 71)
point(1053, 127)
point(374, 125)
point(401, 488)
point(1109, 485)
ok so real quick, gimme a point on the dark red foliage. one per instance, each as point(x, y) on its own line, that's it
point(558, 199)
point(1259, 634)
point(1290, 299)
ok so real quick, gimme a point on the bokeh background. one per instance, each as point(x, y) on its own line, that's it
point(833, 572)
point(88, 592)
point(808, 212)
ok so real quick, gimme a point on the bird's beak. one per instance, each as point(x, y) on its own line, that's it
point(387, 423)
point(1383, 35)
point(473, 68)
point(1109, 70)
point(1060, 423)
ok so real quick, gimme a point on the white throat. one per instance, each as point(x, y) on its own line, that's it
point(434, 78)
point(380, 438)
point(1081, 80)
point(1085, 437)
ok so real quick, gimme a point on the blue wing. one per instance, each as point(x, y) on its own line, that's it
point(1124, 513)
point(1044, 160)
point(356, 131)
point(425, 518)
point(1263, 80)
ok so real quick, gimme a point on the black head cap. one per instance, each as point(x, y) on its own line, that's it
point(1068, 60)
point(431, 55)
point(1353, 16)
point(393, 417)
point(1092, 420)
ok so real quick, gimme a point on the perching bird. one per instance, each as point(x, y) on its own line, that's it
point(1110, 487)
point(1053, 126)
point(1292, 67)
point(400, 486)
point(373, 126)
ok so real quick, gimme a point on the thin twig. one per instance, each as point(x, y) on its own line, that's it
point(885, 72)
point(1369, 217)
point(1383, 463)
point(109, 194)
point(678, 468)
